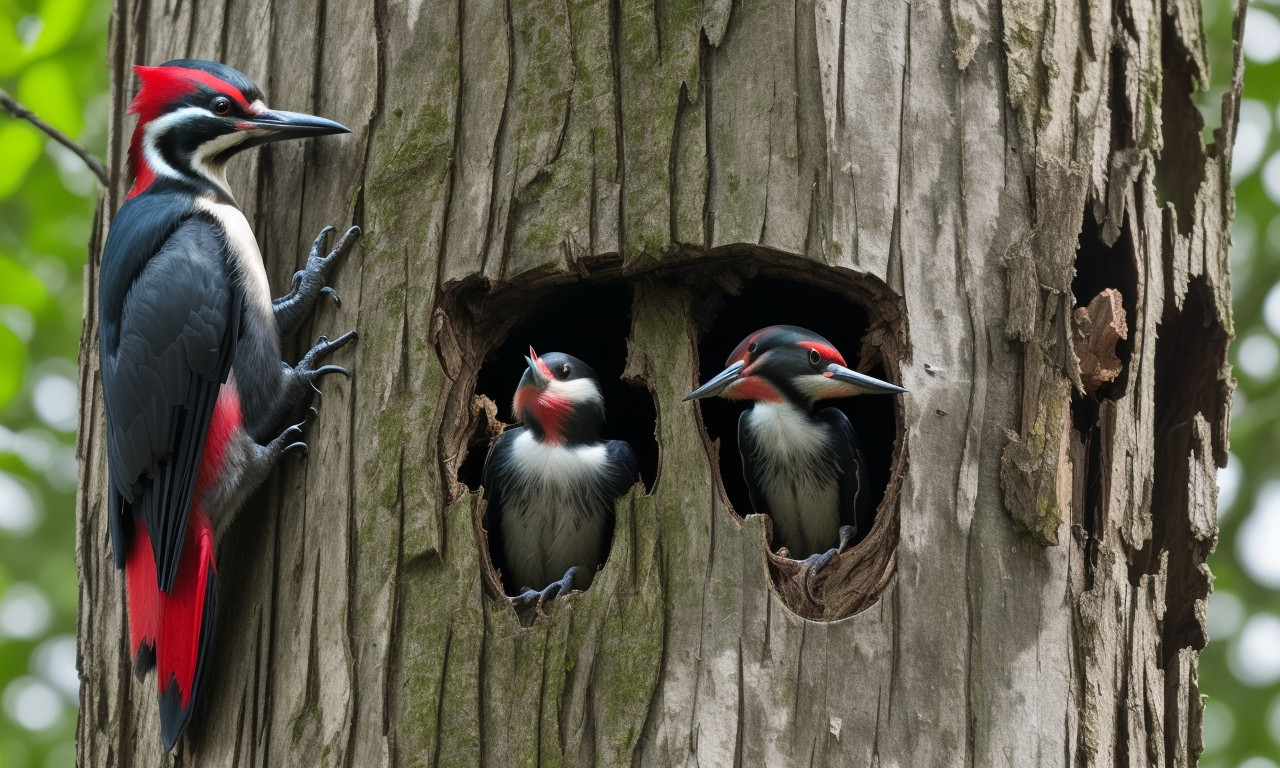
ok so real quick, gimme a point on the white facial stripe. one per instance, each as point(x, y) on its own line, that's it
point(159, 127)
point(200, 162)
point(577, 390)
point(217, 173)
point(257, 107)
point(815, 386)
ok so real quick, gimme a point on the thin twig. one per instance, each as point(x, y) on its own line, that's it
point(19, 111)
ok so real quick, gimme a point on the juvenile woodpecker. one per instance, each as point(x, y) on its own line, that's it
point(197, 397)
point(804, 467)
point(552, 483)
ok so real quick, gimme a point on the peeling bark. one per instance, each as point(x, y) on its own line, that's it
point(967, 174)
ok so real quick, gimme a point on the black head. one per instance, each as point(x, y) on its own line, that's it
point(559, 399)
point(788, 363)
point(194, 115)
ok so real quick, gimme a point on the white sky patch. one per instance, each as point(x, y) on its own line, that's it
point(55, 661)
point(54, 397)
point(32, 703)
point(1255, 656)
point(1271, 309)
point(1229, 478)
point(1251, 138)
point(17, 507)
point(1258, 356)
point(24, 612)
point(1219, 725)
point(1271, 178)
point(1261, 36)
point(1226, 614)
point(1258, 540)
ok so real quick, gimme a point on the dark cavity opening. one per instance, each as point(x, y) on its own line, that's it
point(1101, 265)
point(765, 301)
point(1180, 168)
point(592, 322)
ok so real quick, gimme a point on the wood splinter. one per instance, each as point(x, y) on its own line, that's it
point(1098, 329)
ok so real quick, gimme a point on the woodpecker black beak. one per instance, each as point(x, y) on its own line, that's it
point(861, 383)
point(535, 376)
point(293, 125)
point(720, 383)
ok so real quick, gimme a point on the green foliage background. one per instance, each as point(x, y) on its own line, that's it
point(52, 58)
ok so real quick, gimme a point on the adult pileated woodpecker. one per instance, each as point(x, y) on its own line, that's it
point(551, 484)
point(196, 395)
point(804, 468)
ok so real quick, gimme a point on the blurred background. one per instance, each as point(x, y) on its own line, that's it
point(52, 58)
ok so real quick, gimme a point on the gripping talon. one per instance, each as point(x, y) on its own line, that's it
point(815, 563)
point(327, 291)
point(298, 446)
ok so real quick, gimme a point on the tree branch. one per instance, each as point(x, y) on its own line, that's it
point(19, 111)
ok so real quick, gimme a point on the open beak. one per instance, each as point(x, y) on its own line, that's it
point(720, 383)
point(859, 382)
point(294, 125)
point(536, 375)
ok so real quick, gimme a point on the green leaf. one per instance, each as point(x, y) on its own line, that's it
point(20, 145)
point(62, 19)
point(47, 91)
point(19, 286)
point(13, 360)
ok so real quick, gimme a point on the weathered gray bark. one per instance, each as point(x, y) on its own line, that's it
point(1041, 554)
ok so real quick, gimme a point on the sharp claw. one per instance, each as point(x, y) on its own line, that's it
point(327, 291)
point(298, 446)
point(325, 370)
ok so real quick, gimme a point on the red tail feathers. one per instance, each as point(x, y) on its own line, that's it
point(173, 630)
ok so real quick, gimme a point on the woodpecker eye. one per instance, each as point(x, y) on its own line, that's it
point(751, 348)
point(815, 359)
point(221, 105)
point(564, 371)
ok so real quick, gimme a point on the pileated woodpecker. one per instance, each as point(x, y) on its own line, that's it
point(804, 467)
point(197, 397)
point(551, 484)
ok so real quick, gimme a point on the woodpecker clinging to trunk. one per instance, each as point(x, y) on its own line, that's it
point(804, 468)
point(197, 398)
point(551, 484)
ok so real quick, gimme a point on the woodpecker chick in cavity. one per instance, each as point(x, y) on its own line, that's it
point(804, 466)
point(551, 484)
point(198, 400)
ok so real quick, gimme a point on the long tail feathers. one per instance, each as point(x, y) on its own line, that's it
point(173, 631)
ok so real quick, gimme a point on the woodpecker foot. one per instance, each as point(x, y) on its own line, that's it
point(307, 370)
point(308, 282)
point(816, 563)
point(533, 598)
point(288, 441)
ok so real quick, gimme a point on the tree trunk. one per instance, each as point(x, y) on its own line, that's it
point(652, 181)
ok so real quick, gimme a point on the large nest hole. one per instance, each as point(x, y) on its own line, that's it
point(863, 320)
point(590, 320)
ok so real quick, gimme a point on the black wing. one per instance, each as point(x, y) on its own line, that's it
point(174, 333)
point(498, 458)
point(855, 501)
point(624, 468)
point(748, 449)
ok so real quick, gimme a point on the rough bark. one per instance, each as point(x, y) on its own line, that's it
point(966, 173)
